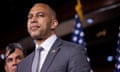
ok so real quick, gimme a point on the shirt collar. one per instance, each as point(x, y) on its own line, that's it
point(47, 44)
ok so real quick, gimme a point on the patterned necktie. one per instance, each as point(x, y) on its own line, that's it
point(36, 60)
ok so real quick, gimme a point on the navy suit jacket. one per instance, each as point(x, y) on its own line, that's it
point(63, 57)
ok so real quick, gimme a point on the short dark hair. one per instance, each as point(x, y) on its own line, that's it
point(51, 6)
point(12, 46)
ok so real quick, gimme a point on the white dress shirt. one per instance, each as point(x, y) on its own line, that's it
point(47, 44)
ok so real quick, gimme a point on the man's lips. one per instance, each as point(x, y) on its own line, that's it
point(34, 27)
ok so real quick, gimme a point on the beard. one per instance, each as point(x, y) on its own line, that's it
point(39, 36)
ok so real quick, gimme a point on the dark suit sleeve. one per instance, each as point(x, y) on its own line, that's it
point(25, 64)
point(78, 61)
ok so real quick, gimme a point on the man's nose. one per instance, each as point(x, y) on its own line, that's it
point(15, 61)
point(34, 19)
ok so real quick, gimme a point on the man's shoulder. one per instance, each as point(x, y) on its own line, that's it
point(27, 58)
point(71, 45)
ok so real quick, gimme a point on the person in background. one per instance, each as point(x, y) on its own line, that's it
point(56, 55)
point(13, 55)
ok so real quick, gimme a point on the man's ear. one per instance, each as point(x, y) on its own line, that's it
point(54, 24)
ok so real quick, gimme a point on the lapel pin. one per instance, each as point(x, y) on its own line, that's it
point(53, 51)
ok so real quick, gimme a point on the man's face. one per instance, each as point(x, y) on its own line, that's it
point(40, 21)
point(12, 60)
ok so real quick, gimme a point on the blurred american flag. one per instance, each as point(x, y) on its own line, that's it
point(78, 34)
point(117, 65)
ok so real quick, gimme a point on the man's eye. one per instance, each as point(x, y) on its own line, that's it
point(19, 57)
point(29, 16)
point(40, 15)
point(9, 60)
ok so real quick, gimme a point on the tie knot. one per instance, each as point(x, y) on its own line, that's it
point(39, 48)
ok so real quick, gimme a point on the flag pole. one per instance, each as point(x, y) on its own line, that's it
point(79, 11)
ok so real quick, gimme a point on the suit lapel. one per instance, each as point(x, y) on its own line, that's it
point(51, 55)
point(31, 61)
point(27, 61)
